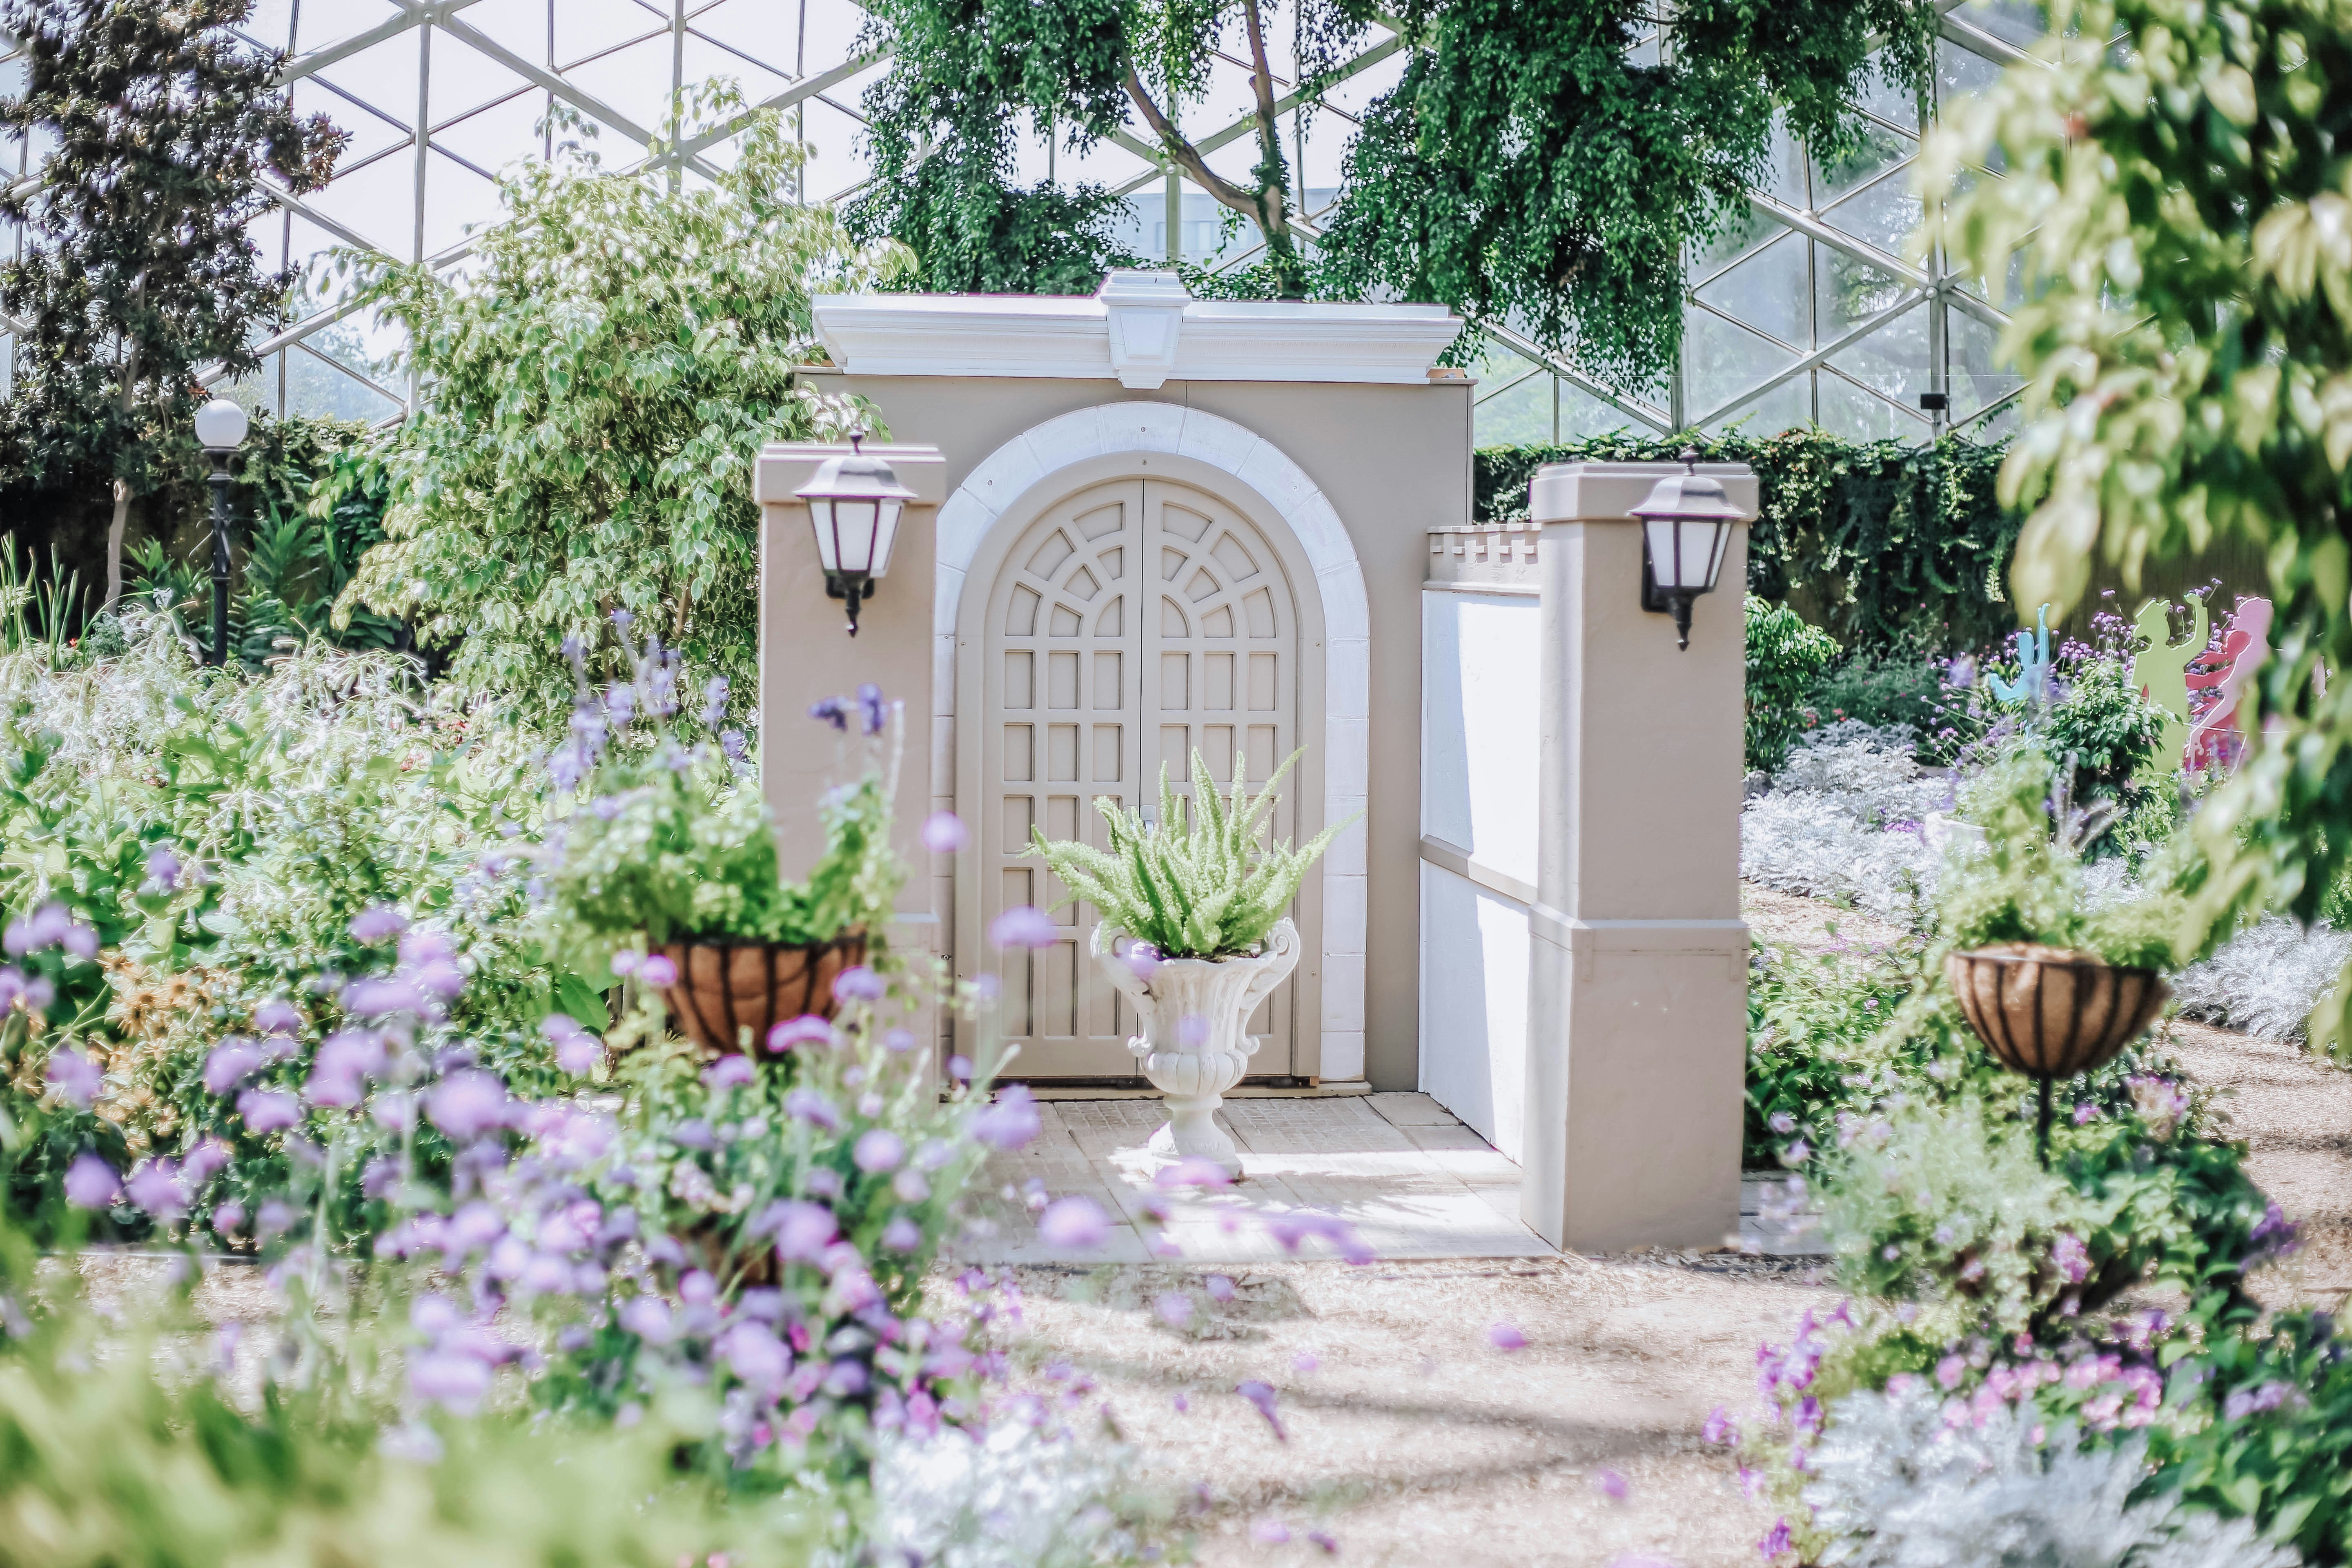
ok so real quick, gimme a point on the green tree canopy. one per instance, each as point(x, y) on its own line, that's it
point(2178, 210)
point(600, 391)
point(1546, 161)
point(137, 271)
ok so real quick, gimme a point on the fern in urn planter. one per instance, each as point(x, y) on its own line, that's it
point(1208, 889)
point(1201, 896)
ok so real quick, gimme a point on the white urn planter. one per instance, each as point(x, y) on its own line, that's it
point(1193, 1013)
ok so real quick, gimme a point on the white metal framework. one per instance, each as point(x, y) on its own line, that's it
point(1808, 312)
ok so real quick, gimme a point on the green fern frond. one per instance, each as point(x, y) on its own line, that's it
point(1198, 883)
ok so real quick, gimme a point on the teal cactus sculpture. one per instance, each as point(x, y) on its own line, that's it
point(2033, 682)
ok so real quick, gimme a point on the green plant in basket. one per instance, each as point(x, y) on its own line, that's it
point(675, 840)
point(1212, 888)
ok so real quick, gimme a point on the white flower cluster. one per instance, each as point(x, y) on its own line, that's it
point(2268, 978)
point(1900, 1487)
point(1843, 819)
point(1017, 1497)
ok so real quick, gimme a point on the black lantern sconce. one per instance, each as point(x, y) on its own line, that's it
point(855, 503)
point(1685, 526)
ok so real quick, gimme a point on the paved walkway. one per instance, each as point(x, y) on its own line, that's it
point(1407, 1179)
point(1404, 1175)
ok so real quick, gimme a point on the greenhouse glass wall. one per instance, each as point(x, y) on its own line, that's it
point(1811, 312)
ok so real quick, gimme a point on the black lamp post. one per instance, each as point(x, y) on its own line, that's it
point(1685, 523)
point(853, 505)
point(220, 429)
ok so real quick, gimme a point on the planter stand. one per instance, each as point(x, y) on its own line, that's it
point(2052, 1012)
point(1191, 1013)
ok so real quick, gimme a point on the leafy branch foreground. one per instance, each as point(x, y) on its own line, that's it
point(1210, 891)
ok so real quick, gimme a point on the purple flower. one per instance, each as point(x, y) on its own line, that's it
point(456, 1382)
point(466, 1105)
point(208, 1159)
point(2274, 1237)
point(872, 710)
point(944, 833)
point(1782, 1123)
point(75, 1077)
point(808, 1029)
point(902, 1235)
point(231, 1063)
point(714, 700)
point(1008, 1122)
point(1270, 1532)
point(1613, 1486)
point(1142, 960)
point(45, 927)
point(372, 928)
point(1175, 1309)
point(1506, 1337)
point(156, 1187)
point(1295, 1226)
point(831, 711)
point(277, 1017)
point(267, 1110)
point(1191, 1171)
point(728, 1072)
point(1074, 1224)
point(228, 1218)
point(1262, 1395)
point(879, 1149)
point(2074, 1259)
point(163, 870)
point(803, 1230)
point(1776, 1541)
point(1720, 1427)
point(756, 1356)
point(858, 984)
point(807, 1105)
point(379, 998)
point(1024, 925)
point(90, 1182)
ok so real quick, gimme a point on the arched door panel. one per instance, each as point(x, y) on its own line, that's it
point(1129, 624)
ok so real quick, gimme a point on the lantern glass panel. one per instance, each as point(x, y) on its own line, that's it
point(885, 534)
point(821, 519)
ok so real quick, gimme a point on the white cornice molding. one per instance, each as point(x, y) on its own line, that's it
point(1142, 330)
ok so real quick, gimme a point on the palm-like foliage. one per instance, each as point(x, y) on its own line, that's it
point(1207, 889)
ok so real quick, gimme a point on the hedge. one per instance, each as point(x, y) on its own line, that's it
point(1880, 543)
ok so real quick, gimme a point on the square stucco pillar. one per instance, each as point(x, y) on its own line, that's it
point(1638, 959)
point(806, 654)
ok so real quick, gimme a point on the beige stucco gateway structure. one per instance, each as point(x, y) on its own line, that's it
point(1146, 525)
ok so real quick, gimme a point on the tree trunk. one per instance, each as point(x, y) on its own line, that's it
point(1267, 205)
point(114, 531)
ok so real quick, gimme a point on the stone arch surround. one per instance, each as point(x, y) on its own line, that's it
point(992, 488)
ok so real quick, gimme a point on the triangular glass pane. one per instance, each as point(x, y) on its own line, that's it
point(456, 199)
point(2020, 22)
point(382, 76)
point(1882, 216)
point(1847, 292)
point(1785, 407)
point(500, 135)
point(1894, 359)
point(1721, 359)
point(766, 31)
point(1878, 150)
point(464, 79)
point(586, 28)
point(1979, 373)
point(1767, 291)
point(371, 133)
point(1847, 410)
point(319, 389)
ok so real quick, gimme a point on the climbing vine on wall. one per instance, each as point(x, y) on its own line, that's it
point(1880, 543)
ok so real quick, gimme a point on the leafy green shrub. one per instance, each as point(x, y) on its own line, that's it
point(1894, 685)
point(1785, 657)
point(1950, 1202)
point(1885, 545)
point(2275, 1444)
point(1210, 890)
point(603, 384)
point(1819, 1051)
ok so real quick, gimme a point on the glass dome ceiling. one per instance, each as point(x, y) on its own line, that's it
point(1807, 312)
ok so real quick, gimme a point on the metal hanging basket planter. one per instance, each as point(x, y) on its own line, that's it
point(2052, 1013)
point(726, 988)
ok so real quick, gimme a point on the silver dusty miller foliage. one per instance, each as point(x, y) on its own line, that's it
point(1899, 1487)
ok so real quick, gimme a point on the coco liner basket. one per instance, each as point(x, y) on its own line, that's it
point(2052, 1012)
point(726, 987)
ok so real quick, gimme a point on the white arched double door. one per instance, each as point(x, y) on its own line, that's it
point(1129, 624)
